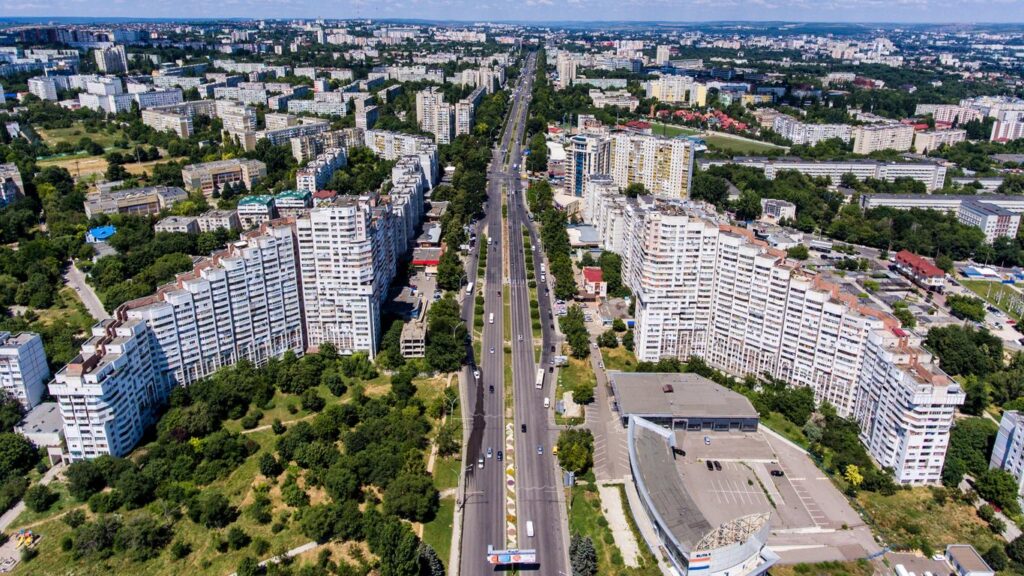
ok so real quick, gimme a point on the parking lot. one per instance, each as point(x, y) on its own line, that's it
point(811, 520)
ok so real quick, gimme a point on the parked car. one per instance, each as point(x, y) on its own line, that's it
point(718, 465)
point(709, 465)
point(777, 473)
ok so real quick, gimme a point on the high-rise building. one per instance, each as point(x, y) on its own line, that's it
point(435, 115)
point(1008, 451)
point(465, 111)
point(672, 89)
point(43, 87)
point(23, 369)
point(706, 289)
point(111, 60)
point(663, 55)
point(347, 262)
point(663, 165)
point(566, 68)
point(905, 407)
point(876, 137)
point(315, 175)
point(588, 154)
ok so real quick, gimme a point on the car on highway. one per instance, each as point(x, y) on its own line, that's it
point(480, 462)
point(492, 349)
point(540, 449)
point(501, 455)
point(600, 364)
point(520, 337)
point(476, 374)
point(490, 452)
point(523, 428)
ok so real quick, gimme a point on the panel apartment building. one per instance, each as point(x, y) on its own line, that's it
point(710, 290)
point(435, 115)
point(293, 284)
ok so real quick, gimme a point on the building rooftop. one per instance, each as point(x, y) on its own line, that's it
point(43, 419)
point(264, 199)
point(592, 274)
point(920, 264)
point(968, 558)
point(677, 395)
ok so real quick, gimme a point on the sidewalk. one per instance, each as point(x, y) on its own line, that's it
point(611, 505)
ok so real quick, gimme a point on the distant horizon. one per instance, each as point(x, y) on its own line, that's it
point(899, 13)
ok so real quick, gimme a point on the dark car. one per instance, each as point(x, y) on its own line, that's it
point(777, 473)
point(523, 428)
point(718, 465)
point(551, 369)
point(552, 348)
point(491, 388)
point(709, 464)
point(501, 455)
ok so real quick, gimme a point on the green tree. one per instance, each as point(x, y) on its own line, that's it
point(582, 556)
point(635, 189)
point(798, 252)
point(17, 455)
point(966, 307)
point(576, 450)
point(412, 496)
point(39, 498)
point(999, 487)
point(430, 563)
point(449, 270)
point(748, 207)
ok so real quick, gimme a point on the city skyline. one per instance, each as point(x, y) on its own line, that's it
point(972, 12)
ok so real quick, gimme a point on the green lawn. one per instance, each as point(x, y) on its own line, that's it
point(618, 359)
point(75, 132)
point(586, 519)
point(856, 568)
point(1002, 296)
point(670, 130)
point(438, 532)
point(739, 146)
point(446, 472)
point(778, 423)
point(62, 505)
point(575, 373)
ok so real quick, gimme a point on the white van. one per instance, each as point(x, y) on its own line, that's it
point(491, 319)
point(529, 528)
point(547, 402)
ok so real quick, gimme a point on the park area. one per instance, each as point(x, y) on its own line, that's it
point(268, 479)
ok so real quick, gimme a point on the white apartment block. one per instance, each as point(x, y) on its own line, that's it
point(664, 166)
point(43, 87)
point(949, 113)
point(317, 107)
point(347, 262)
point(925, 142)
point(23, 369)
point(931, 174)
point(109, 393)
point(587, 154)
point(905, 407)
point(366, 118)
point(241, 303)
point(111, 60)
point(317, 173)
point(160, 121)
point(1008, 126)
point(672, 89)
point(566, 67)
point(435, 115)
point(810, 134)
point(393, 145)
point(877, 137)
point(1008, 452)
point(603, 208)
point(710, 290)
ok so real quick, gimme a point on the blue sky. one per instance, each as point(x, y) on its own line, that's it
point(1000, 11)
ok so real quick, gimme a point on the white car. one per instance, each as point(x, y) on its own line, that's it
point(492, 349)
point(476, 374)
point(520, 337)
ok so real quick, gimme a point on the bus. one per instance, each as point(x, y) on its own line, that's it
point(469, 289)
point(491, 319)
point(540, 378)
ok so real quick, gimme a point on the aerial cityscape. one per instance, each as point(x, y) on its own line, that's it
point(467, 289)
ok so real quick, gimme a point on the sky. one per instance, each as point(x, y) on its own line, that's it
point(938, 11)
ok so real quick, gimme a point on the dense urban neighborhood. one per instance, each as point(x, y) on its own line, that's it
point(398, 298)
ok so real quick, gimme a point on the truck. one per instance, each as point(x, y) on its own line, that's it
point(540, 378)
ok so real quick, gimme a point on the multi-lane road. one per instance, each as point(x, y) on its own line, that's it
point(537, 492)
